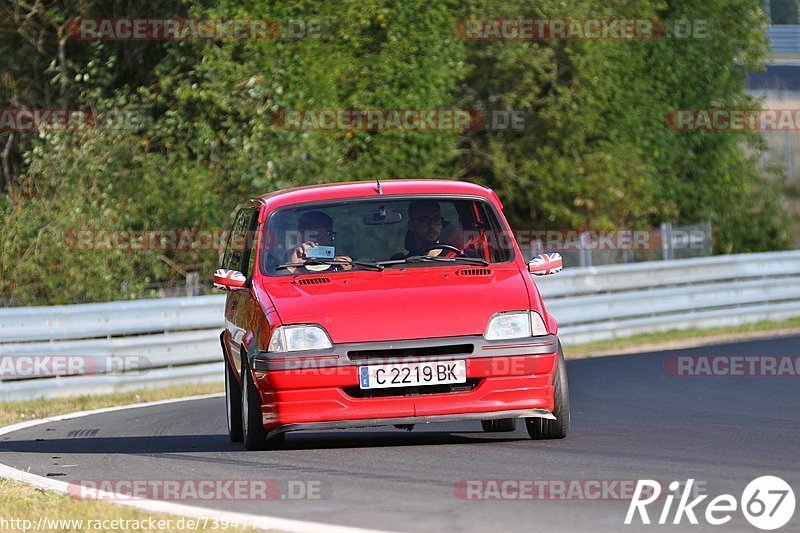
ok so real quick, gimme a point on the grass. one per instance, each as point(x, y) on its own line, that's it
point(678, 338)
point(32, 409)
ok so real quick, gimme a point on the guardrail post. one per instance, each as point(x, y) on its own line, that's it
point(586, 252)
point(666, 241)
point(192, 284)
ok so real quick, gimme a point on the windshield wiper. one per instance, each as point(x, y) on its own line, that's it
point(315, 261)
point(434, 258)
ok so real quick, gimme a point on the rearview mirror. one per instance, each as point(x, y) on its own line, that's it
point(544, 264)
point(382, 216)
point(229, 280)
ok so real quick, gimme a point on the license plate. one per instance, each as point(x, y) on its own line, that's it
point(412, 374)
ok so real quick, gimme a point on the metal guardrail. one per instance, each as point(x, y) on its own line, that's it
point(784, 38)
point(86, 321)
point(176, 340)
point(620, 300)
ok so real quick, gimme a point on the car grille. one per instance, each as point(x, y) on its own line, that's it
point(356, 392)
point(410, 353)
point(474, 272)
point(312, 281)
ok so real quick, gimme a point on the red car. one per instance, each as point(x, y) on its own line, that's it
point(394, 303)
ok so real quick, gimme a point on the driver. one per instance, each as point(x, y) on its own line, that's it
point(425, 227)
point(425, 232)
point(316, 229)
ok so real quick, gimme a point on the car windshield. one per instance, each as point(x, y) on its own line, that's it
point(382, 233)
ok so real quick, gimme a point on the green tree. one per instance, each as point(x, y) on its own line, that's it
point(595, 151)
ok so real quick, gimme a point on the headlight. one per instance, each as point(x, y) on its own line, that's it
point(297, 338)
point(515, 325)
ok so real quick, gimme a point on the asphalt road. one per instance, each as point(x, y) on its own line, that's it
point(630, 420)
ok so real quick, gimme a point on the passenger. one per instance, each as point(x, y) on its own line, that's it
point(316, 229)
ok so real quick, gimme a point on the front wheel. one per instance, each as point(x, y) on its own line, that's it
point(233, 404)
point(542, 428)
point(255, 436)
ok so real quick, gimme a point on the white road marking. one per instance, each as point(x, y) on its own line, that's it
point(156, 506)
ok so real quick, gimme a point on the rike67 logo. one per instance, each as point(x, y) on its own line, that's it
point(767, 503)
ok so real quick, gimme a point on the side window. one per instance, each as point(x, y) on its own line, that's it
point(237, 240)
point(497, 241)
point(252, 233)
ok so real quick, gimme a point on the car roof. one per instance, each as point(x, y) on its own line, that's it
point(360, 189)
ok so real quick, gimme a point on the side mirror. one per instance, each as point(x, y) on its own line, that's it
point(544, 264)
point(229, 280)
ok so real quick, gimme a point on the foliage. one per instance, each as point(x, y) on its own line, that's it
point(594, 151)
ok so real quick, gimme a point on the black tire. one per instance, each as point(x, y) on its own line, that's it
point(500, 425)
point(233, 404)
point(541, 428)
point(253, 432)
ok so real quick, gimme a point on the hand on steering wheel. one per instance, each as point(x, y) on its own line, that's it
point(443, 247)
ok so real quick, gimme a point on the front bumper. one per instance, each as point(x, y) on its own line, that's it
point(505, 379)
point(344, 424)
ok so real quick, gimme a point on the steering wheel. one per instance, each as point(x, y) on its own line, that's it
point(440, 246)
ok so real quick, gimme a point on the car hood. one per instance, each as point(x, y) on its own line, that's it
point(395, 304)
